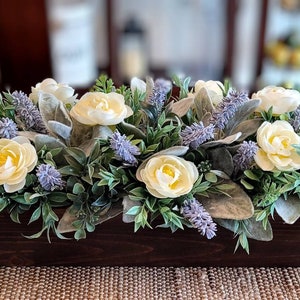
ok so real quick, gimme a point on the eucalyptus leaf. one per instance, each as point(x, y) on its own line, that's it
point(236, 207)
point(289, 209)
point(255, 230)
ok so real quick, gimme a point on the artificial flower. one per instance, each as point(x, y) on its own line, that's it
point(97, 108)
point(168, 176)
point(280, 99)
point(215, 89)
point(61, 91)
point(276, 151)
point(17, 158)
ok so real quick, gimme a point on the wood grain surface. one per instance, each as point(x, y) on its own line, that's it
point(115, 244)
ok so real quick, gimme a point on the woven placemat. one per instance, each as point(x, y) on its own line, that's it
point(149, 283)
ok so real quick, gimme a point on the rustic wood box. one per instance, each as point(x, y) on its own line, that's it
point(115, 244)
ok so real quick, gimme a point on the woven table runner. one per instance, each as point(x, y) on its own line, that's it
point(149, 283)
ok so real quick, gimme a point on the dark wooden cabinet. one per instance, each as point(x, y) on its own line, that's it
point(24, 49)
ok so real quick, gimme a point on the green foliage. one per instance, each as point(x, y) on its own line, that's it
point(103, 84)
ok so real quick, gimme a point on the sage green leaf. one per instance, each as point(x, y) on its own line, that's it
point(241, 114)
point(50, 142)
point(236, 207)
point(247, 128)
point(52, 109)
point(60, 130)
point(180, 108)
point(65, 223)
point(203, 104)
point(221, 160)
point(149, 87)
point(80, 133)
point(289, 209)
point(225, 141)
point(98, 132)
point(255, 230)
point(127, 205)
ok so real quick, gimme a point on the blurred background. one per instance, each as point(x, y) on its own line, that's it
point(252, 42)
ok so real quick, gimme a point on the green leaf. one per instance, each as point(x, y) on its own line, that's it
point(3, 203)
point(133, 210)
point(80, 234)
point(35, 215)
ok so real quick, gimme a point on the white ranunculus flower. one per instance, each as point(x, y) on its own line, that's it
point(168, 176)
point(62, 92)
point(97, 108)
point(214, 89)
point(17, 158)
point(276, 151)
point(280, 99)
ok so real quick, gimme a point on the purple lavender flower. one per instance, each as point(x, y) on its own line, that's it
point(27, 112)
point(295, 121)
point(196, 134)
point(163, 85)
point(158, 96)
point(244, 156)
point(8, 128)
point(196, 214)
point(226, 109)
point(49, 178)
point(123, 149)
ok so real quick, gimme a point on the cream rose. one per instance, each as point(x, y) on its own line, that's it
point(276, 151)
point(62, 92)
point(280, 99)
point(168, 176)
point(214, 88)
point(96, 108)
point(17, 158)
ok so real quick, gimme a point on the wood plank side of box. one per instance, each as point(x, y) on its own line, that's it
point(115, 244)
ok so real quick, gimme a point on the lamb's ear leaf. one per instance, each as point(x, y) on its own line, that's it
point(203, 104)
point(255, 229)
point(236, 206)
point(289, 209)
point(52, 109)
point(241, 114)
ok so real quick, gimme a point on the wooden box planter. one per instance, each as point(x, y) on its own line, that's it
point(115, 244)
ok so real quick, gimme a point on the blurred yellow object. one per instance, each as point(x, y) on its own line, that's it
point(280, 53)
point(295, 58)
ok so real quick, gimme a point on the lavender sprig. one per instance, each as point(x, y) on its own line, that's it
point(244, 156)
point(226, 109)
point(27, 112)
point(49, 178)
point(196, 134)
point(8, 128)
point(123, 148)
point(196, 214)
point(295, 121)
point(158, 96)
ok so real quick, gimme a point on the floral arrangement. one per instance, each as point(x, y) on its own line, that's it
point(160, 152)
